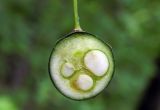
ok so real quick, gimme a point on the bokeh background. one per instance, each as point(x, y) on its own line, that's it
point(29, 30)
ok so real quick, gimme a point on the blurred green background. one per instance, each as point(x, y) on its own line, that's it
point(29, 30)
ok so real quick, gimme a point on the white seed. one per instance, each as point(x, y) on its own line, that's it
point(97, 62)
point(84, 82)
point(67, 69)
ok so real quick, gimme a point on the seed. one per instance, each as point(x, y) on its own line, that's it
point(84, 82)
point(97, 62)
point(67, 70)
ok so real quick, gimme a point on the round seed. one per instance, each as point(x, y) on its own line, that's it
point(97, 62)
point(67, 70)
point(84, 82)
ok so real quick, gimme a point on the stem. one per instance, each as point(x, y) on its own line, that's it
point(76, 17)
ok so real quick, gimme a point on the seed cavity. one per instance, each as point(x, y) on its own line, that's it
point(97, 62)
point(67, 70)
point(84, 82)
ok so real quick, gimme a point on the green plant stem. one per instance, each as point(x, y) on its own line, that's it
point(76, 17)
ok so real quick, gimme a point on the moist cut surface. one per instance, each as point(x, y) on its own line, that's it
point(81, 66)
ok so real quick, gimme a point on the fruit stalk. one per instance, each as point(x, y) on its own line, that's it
point(76, 16)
